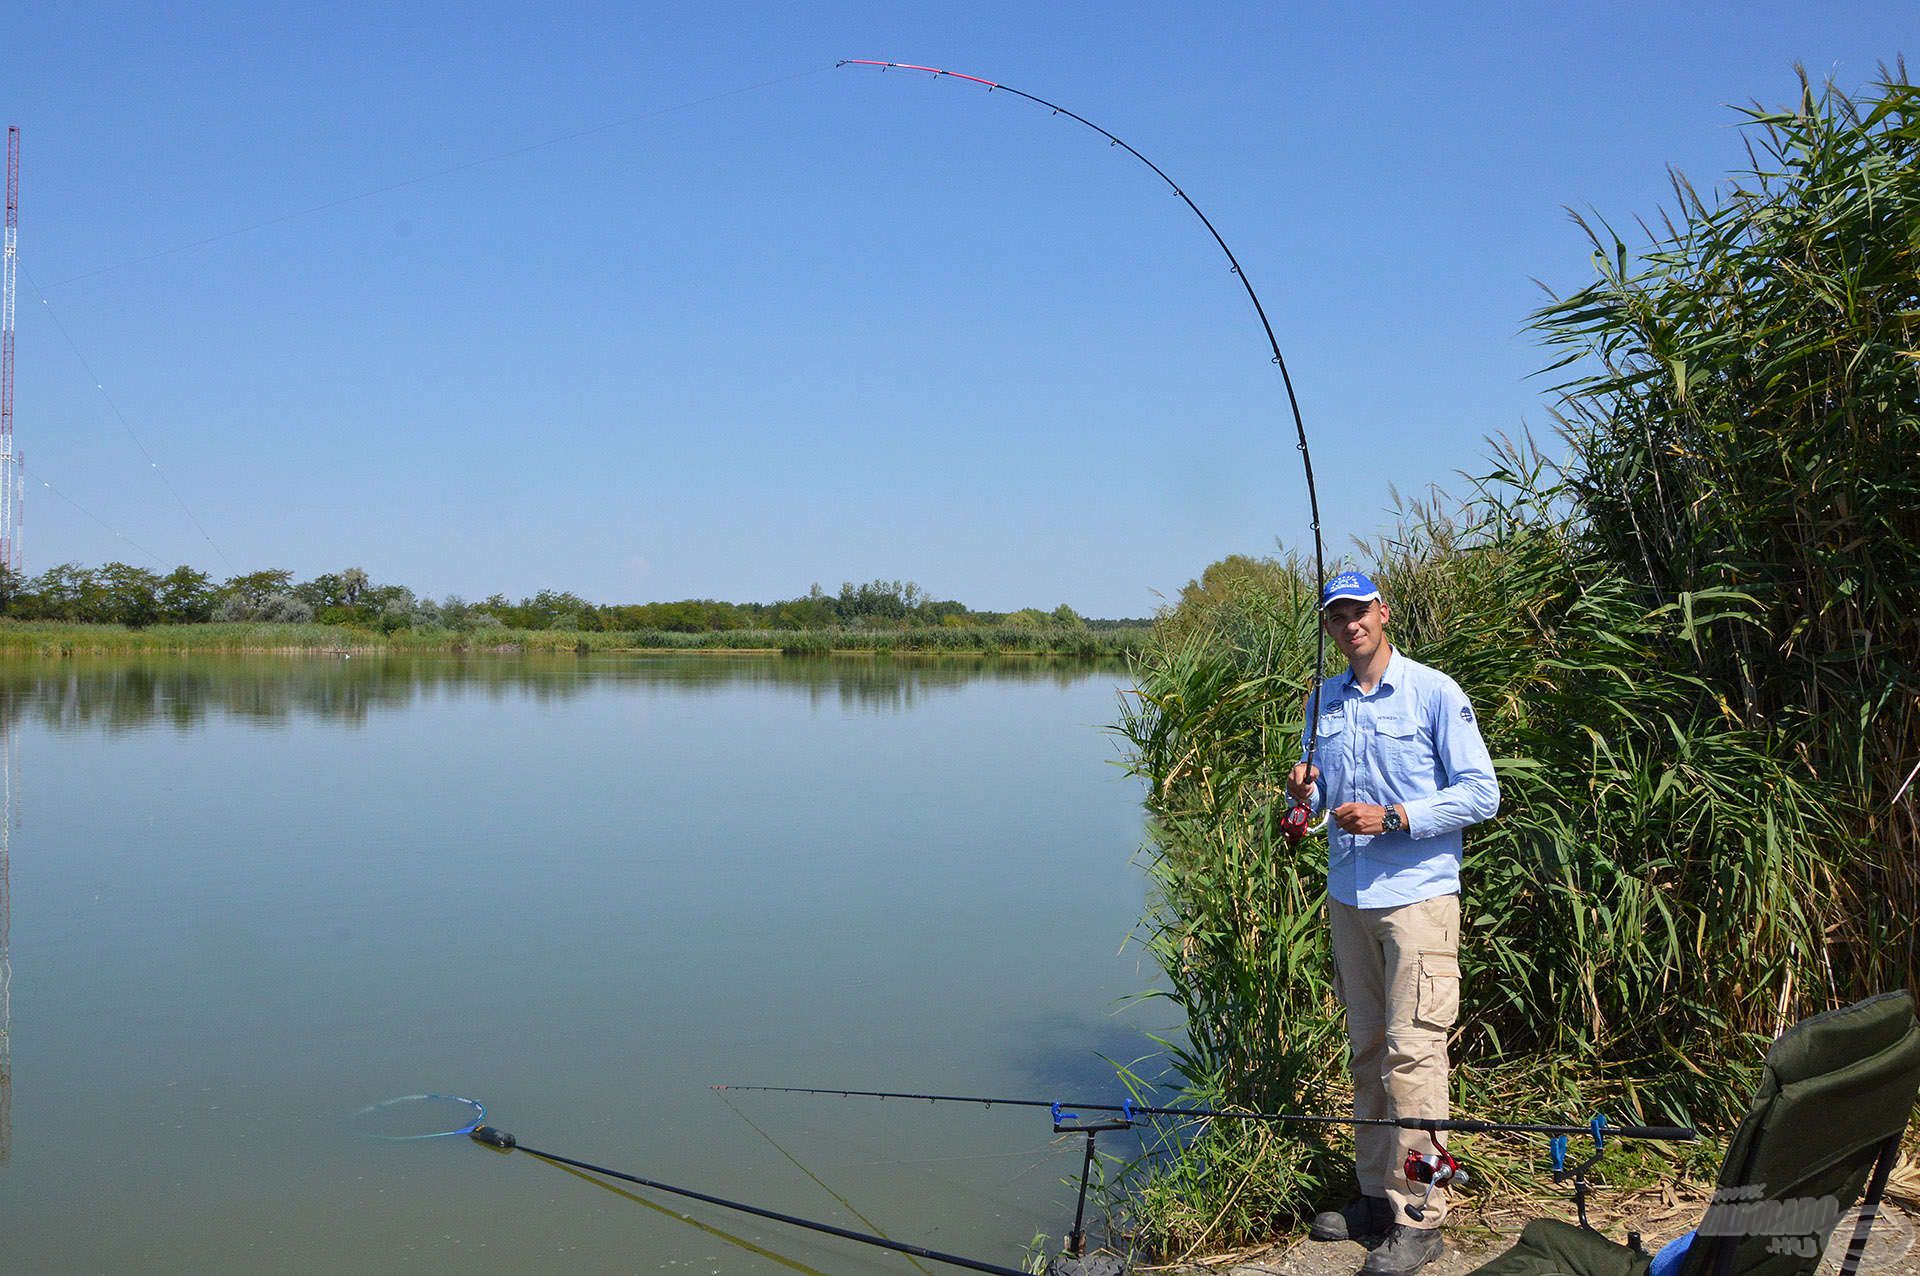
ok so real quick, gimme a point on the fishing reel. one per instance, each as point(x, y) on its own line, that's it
point(1436, 1169)
point(1296, 823)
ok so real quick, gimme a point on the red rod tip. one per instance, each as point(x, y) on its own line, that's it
point(909, 66)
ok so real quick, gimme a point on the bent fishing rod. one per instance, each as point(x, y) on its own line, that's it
point(502, 1141)
point(1299, 814)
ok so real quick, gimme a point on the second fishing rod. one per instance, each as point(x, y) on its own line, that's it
point(1434, 1170)
point(1066, 1110)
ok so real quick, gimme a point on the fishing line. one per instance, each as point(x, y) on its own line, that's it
point(868, 1153)
point(718, 1233)
point(1040, 1154)
point(449, 171)
point(120, 416)
point(820, 1182)
point(1295, 826)
point(505, 1142)
point(1051, 1152)
point(155, 558)
point(327, 206)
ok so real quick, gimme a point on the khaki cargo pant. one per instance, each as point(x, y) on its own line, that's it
point(1398, 972)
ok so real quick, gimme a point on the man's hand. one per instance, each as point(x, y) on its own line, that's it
point(1300, 782)
point(1362, 817)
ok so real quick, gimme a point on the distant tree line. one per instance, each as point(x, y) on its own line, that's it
point(120, 594)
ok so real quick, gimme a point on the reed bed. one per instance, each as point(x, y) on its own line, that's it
point(56, 638)
point(1692, 641)
point(60, 638)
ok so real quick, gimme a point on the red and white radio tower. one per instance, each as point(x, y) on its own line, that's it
point(10, 479)
point(10, 555)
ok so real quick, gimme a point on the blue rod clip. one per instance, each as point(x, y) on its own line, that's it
point(1558, 1145)
point(1599, 1127)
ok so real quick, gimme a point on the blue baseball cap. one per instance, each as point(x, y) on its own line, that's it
point(1354, 585)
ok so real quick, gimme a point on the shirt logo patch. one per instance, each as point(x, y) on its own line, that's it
point(1466, 714)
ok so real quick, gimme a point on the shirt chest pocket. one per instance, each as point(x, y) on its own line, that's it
point(1400, 738)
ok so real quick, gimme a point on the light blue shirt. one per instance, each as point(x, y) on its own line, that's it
point(1412, 740)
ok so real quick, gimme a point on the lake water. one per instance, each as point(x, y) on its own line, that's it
point(250, 896)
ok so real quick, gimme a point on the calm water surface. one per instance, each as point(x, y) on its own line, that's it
point(250, 896)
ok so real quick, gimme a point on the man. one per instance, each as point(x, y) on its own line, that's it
point(1401, 770)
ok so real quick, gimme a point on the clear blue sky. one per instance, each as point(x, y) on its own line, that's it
point(844, 326)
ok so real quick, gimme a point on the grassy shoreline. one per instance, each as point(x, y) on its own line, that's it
point(54, 638)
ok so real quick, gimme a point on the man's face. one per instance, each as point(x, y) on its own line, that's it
point(1356, 628)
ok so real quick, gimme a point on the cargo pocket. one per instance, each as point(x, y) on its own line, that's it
point(1439, 1003)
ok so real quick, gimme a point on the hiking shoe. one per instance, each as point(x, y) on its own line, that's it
point(1364, 1219)
point(1406, 1249)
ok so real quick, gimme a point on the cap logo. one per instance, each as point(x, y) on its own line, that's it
point(1354, 585)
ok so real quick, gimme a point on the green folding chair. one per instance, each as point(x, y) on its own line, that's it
point(1834, 1101)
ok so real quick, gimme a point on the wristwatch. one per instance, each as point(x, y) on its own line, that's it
point(1391, 820)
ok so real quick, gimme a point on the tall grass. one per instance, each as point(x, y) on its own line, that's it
point(1693, 648)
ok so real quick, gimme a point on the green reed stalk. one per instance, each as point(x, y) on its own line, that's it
point(1745, 417)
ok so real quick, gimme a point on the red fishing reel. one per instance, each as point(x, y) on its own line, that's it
point(1294, 825)
point(1436, 1169)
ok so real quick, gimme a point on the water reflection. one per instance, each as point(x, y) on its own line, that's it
point(120, 694)
point(8, 761)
